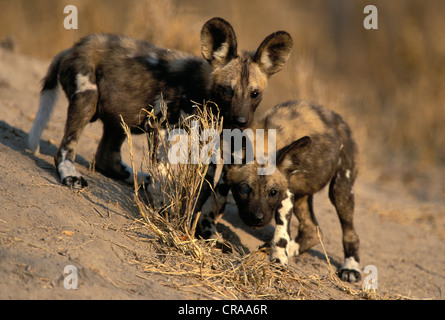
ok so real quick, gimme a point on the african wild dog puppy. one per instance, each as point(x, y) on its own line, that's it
point(314, 148)
point(107, 76)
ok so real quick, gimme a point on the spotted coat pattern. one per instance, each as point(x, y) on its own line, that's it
point(314, 148)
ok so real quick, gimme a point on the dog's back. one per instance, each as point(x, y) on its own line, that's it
point(130, 74)
point(332, 144)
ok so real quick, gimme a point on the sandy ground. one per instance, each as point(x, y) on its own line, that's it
point(45, 227)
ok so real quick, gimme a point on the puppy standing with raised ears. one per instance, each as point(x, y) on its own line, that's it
point(314, 148)
point(107, 76)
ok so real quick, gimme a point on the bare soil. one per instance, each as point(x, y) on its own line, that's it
point(45, 226)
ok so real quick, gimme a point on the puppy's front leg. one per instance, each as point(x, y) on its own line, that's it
point(281, 245)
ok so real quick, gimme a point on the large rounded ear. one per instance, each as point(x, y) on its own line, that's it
point(290, 156)
point(273, 52)
point(218, 42)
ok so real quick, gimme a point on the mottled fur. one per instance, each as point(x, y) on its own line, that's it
point(314, 148)
point(106, 76)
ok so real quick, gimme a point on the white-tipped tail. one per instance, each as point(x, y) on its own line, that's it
point(47, 101)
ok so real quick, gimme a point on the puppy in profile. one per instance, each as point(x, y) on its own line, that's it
point(107, 76)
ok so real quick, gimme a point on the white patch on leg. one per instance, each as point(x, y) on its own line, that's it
point(350, 271)
point(279, 254)
point(130, 178)
point(294, 249)
point(83, 83)
point(351, 264)
point(281, 233)
point(66, 168)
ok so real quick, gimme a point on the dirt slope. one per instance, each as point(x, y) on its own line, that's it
point(45, 226)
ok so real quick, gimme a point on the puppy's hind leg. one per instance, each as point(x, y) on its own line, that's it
point(342, 196)
point(108, 155)
point(307, 226)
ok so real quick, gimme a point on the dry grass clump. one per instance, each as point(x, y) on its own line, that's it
point(230, 276)
point(174, 191)
point(198, 265)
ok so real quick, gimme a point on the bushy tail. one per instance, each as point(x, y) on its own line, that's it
point(48, 97)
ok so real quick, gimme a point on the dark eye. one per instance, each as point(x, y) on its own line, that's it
point(273, 193)
point(245, 189)
point(227, 91)
point(255, 94)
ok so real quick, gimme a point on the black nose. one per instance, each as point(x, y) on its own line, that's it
point(253, 219)
point(240, 121)
point(258, 218)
